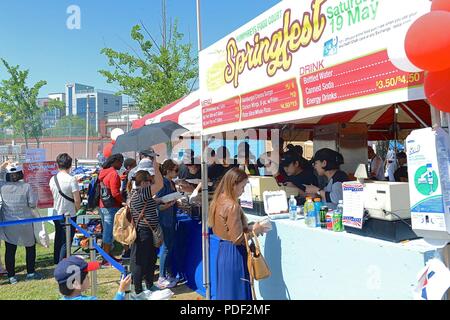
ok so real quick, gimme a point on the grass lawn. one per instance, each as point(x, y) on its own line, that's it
point(46, 289)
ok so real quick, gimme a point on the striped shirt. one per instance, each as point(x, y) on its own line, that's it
point(137, 202)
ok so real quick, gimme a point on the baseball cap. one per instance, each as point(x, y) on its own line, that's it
point(289, 157)
point(144, 165)
point(13, 168)
point(72, 266)
point(150, 152)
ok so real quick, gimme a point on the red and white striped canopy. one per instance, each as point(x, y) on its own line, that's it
point(185, 111)
point(380, 120)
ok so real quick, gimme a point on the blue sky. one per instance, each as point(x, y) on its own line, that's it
point(33, 33)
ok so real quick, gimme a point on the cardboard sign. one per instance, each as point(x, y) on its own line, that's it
point(353, 204)
point(38, 175)
point(428, 152)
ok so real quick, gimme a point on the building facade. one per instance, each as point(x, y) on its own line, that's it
point(100, 103)
point(121, 119)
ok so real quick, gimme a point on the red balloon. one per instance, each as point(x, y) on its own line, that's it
point(443, 5)
point(437, 89)
point(107, 150)
point(427, 42)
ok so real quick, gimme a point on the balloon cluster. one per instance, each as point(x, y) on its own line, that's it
point(427, 45)
point(107, 150)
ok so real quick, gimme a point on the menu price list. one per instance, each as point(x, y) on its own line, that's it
point(221, 113)
point(276, 99)
point(357, 78)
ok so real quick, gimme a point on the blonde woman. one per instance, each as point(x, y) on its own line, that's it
point(229, 223)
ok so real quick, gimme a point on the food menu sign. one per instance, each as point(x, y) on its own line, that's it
point(38, 175)
point(303, 59)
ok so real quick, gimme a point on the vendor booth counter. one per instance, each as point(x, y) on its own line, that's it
point(311, 263)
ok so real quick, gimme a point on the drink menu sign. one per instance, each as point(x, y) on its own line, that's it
point(38, 175)
point(304, 59)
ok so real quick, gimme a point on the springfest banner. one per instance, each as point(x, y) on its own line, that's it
point(303, 59)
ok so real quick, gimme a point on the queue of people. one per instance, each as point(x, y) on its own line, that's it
point(142, 185)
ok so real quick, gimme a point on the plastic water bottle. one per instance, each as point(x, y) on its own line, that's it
point(292, 208)
point(317, 207)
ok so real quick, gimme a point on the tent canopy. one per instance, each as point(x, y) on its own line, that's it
point(380, 120)
point(185, 111)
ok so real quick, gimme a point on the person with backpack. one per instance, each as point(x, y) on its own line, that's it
point(148, 181)
point(110, 198)
point(66, 200)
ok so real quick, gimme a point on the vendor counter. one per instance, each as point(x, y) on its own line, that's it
point(311, 263)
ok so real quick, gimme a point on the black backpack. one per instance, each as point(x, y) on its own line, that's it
point(106, 196)
point(93, 194)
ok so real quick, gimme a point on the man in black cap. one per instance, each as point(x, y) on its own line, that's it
point(72, 277)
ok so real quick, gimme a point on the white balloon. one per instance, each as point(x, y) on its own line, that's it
point(396, 50)
point(115, 133)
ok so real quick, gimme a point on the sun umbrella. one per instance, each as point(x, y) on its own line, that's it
point(147, 136)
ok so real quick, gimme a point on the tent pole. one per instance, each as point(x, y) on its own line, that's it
point(415, 115)
point(205, 204)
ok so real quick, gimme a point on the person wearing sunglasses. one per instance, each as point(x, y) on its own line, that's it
point(167, 219)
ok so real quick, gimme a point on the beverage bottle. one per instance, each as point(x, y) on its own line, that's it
point(337, 217)
point(292, 208)
point(317, 206)
point(309, 215)
point(329, 219)
point(323, 217)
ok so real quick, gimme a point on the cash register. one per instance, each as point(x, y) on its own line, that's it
point(258, 186)
point(387, 214)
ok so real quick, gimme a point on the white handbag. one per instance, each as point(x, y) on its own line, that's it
point(40, 234)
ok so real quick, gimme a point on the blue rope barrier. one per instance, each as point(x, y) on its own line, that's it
point(108, 258)
point(84, 232)
point(28, 221)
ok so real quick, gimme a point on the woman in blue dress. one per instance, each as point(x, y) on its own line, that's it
point(229, 223)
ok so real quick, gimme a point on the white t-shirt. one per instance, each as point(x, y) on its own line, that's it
point(68, 185)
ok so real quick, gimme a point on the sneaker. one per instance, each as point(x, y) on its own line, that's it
point(34, 276)
point(144, 295)
point(105, 264)
point(172, 282)
point(162, 283)
point(13, 280)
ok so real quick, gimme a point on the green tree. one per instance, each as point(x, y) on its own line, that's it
point(70, 126)
point(18, 104)
point(156, 74)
